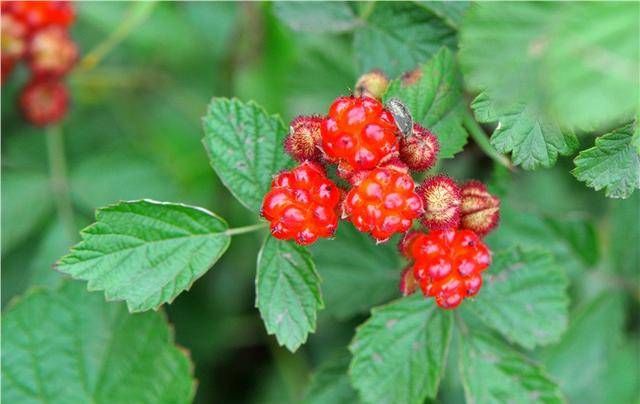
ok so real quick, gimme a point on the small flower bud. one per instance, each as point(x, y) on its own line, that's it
point(441, 197)
point(372, 84)
point(44, 102)
point(420, 150)
point(408, 283)
point(52, 52)
point(480, 211)
point(303, 141)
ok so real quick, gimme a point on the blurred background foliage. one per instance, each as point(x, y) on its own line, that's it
point(134, 132)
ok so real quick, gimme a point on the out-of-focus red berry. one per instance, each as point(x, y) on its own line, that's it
point(52, 52)
point(44, 102)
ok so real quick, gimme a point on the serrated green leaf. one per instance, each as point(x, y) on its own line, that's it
point(398, 36)
point(330, 383)
point(70, 346)
point(613, 163)
point(450, 11)
point(356, 273)
point(581, 359)
point(320, 16)
point(434, 98)
point(400, 352)
point(26, 202)
point(524, 297)
point(580, 234)
point(577, 62)
point(146, 252)
point(492, 372)
point(244, 145)
point(287, 292)
point(533, 140)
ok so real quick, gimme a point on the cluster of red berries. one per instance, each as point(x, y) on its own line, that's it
point(37, 32)
point(375, 147)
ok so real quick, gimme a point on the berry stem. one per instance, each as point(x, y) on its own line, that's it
point(246, 229)
point(136, 15)
point(481, 139)
point(59, 180)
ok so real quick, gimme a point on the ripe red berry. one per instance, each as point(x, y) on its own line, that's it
point(383, 202)
point(447, 264)
point(358, 134)
point(480, 211)
point(303, 141)
point(302, 204)
point(420, 150)
point(441, 197)
point(52, 51)
point(44, 102)
point(38, 14)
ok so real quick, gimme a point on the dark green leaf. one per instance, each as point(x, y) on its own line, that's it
point(400, 352)
point(524, 297)
point(450, 11)
point(245, 148)
point(433, 95)
point(146, 252)
point(320, 16)
point(613, 163)
point(625, 235)
point(330, 383)
point(399, 36)
point(70, 346)
point(287, 292)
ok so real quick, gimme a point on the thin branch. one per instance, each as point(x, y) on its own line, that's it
point(482, 140)
point(59, 180)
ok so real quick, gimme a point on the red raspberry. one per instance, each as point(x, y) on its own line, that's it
point(383, 202)
point(303, 142)
point(302, 204)
point(447, 264)
point(420, 150)
point(44, 102)
point(52, 52)
point(358, 134)
point(38, 14)
point(441, 198)
point(480, 211)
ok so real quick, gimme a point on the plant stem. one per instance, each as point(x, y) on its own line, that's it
point(481, 139)
point(367, 10)
point(136, 15)
point(59, 180)
point(245, 229)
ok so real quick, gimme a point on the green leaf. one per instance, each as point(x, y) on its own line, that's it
point(434, 97)
point(581, 359)
point(625, 230)
point(287, 292)
point(70, 346)
point(400, 352)
point(577, 62)
point(26, 202)
point(533, 140)
point(450, 11)
point(492, 372)
point(524, 297)
point(399, 36)
point(244, 145)
point(357, 274)
point(330, 383)
point(580, 235)
point(146, 252)
point(613, 163)
point(320, 16)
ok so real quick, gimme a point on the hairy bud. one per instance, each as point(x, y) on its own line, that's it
point(442, 200)
point(303, 142)
point(52, 52)
point(480, 211)
point(372, 84)
point(420, 150)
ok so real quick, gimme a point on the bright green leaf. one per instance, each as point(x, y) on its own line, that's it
point(524, 297)
point(492, 372)
point(613, 163)
point(533, 140)
point(357, 274)
point(244, 145)
point(399, 36)
point(400, 352)
point(330, 383)
point(146, 252)
point(70, 346)
point(433, 95)
point(320, 16)
point(287, 292)
point(26, 202)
